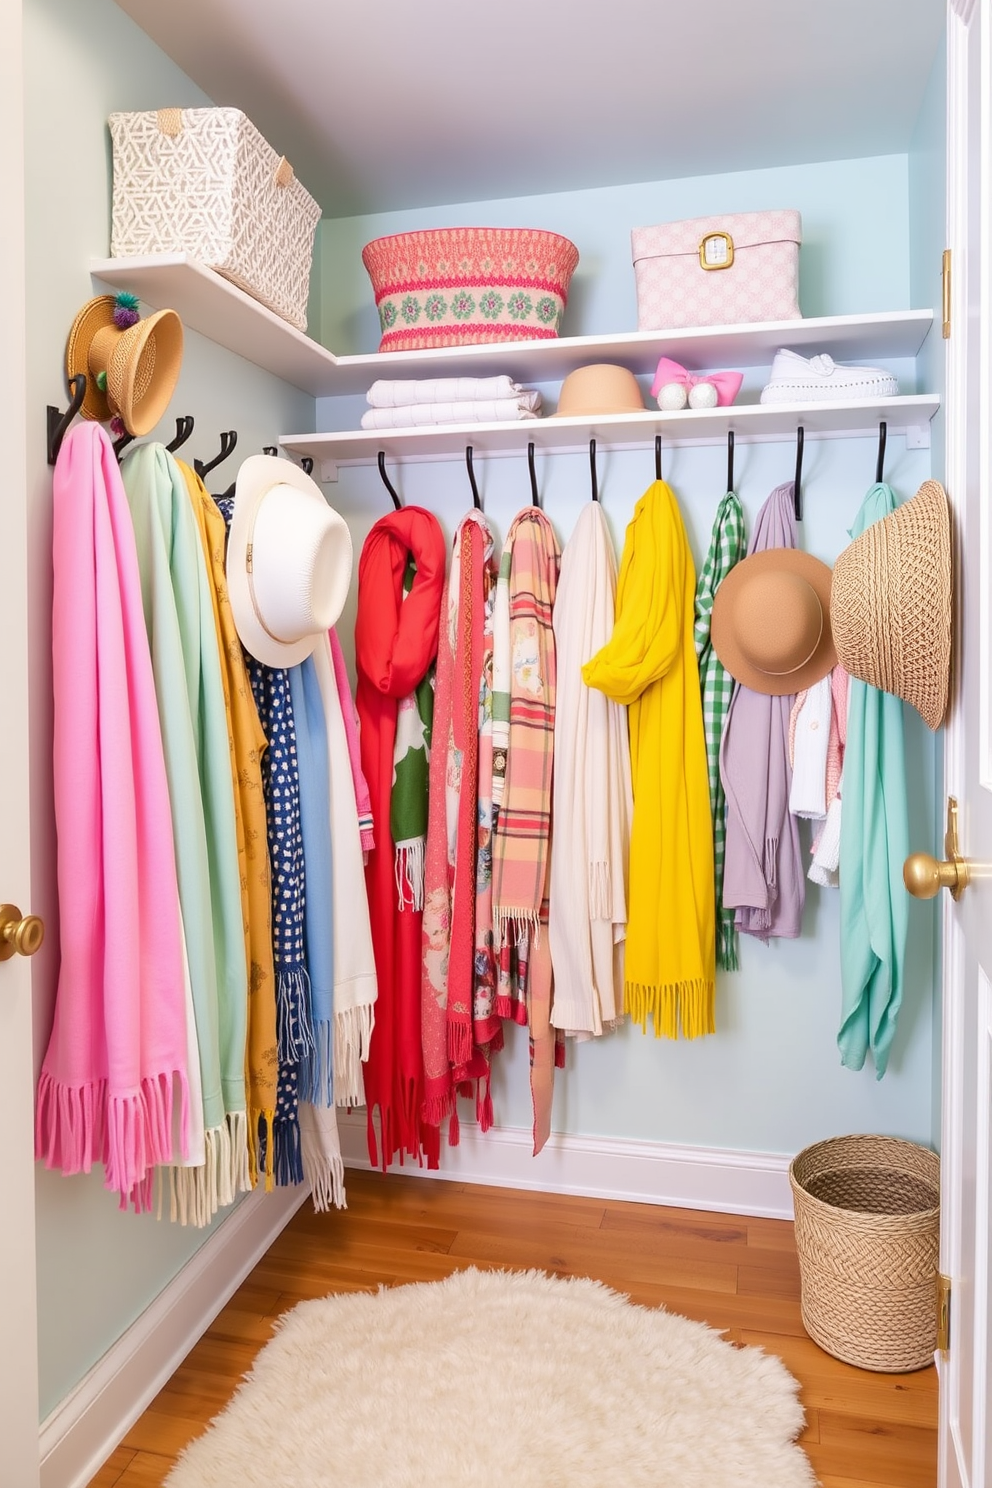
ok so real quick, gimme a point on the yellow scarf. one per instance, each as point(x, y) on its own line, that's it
point(649, 663)
point(247, 743)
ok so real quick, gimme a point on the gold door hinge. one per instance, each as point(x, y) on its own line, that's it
point(945, 294)
point(943, 1313)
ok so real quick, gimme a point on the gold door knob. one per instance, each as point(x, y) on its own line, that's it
point(925, 876)
point(20, 933)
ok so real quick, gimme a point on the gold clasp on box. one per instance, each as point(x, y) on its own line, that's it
point(718, 256)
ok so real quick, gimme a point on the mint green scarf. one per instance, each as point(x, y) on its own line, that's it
point(874, 842)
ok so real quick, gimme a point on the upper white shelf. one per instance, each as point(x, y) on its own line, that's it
point(209, 303)
point(749, 421)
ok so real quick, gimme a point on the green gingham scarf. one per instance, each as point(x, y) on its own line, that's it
point(727, 547)
point(411, 766)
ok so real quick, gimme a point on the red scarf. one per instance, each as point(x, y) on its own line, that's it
point(395, 643)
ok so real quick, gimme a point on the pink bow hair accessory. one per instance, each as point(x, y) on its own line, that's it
point(727, 384)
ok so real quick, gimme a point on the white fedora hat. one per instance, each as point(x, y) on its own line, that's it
point(289, 559)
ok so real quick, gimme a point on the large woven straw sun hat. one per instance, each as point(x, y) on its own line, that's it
point(890, 603)
point(597, 390)
point(771, 621)
point(289, 559)
point(131, 365)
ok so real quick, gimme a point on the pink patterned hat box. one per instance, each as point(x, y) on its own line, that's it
point(738, 268)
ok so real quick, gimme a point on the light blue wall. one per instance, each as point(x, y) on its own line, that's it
point(927, 241)
point(98, 1269)
point(770, 1079)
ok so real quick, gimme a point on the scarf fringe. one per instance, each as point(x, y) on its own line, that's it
point(317, 1068)
point(511, 925)
point(256, 1117)
point(727, 952)
point(409, 873)
point(689, 1005)
point(324, 1174)
point(437, 1107)
point(600, 891)
point(459, 1041)
point(352, 1036)
point(288, 1151)
point(196, 1194)
point(296, 1038)
point(77, 1126)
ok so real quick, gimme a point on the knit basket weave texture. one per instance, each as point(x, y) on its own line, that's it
point(454, 286)
point(867, 1232)
point(890, 604)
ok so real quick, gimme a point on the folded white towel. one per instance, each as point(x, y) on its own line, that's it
point(415, 415)
point(392, 393)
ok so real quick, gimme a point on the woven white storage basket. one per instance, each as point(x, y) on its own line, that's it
point(203, 181)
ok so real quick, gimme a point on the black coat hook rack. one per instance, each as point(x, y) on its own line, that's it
point(798, 488)
point(657, 457)
point(880, 462)
point(58, 423)
point(535, 499)
point(227, 442)
point(730, 459)
point(184, 428)
point(476, 499)
point(381, 462)
point(592, 470)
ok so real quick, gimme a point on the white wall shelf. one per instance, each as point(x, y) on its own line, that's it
point(750, 422)
point(210, 304)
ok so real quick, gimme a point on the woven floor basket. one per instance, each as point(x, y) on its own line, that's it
point(867, 1230)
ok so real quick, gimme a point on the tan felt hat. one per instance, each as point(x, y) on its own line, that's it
point(131, 369)
point(600, 388)
point(289, 559)
point(771, 621)
point(890, 603)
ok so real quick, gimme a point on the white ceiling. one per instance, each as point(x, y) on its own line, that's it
point(382, 104)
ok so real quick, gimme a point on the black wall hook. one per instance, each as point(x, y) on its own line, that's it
point(476, 499)
point(657, 457)
point(880, 462)
point(121, 444)
point(730, 459)
point(307, 463)
point(592, 470)
point(58, 423)
point(184, 428)
point(387, 482)
point(798, 488)
point(535, 500)
point(227, 442)
point(272, 450)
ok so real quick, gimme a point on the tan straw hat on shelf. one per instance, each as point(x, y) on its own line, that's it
point(771, 621)
point(890, 603)
point(131, 365)
point(597, 390)
point(289, 559)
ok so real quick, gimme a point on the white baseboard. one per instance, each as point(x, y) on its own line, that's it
point(87, 1425)
point(712, 1178)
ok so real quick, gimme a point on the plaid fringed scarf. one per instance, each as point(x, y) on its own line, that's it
point(522, 832)
point(728, 546)
point(450, 932)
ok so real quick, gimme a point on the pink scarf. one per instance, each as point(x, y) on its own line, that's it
point(115, 1073)
point(363, 798)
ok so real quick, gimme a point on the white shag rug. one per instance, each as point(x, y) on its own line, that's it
point(501, 1380)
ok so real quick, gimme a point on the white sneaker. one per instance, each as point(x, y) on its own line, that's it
point(821, 379)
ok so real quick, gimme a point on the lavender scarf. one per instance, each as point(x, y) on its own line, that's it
point(763, 876)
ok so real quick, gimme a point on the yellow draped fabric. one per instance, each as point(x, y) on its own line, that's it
point(649, 663)
point(247, 742)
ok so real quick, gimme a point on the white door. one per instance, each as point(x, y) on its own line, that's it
point(18, 1331)
point(965, 1459)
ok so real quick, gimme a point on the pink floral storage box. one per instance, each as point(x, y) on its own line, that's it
point(743, 267)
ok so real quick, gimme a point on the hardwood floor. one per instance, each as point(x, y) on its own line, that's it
point(863, 1430)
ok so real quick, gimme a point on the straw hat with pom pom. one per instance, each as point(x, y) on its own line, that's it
point(131, 365)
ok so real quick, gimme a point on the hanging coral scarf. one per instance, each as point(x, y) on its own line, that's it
point(727, 548)
point(395, 643)
point(179, 615)
point(874, 843)
point(593, 803)
point(247, 745)
point(449, 929)
point(115, 1071)
point(650, 664)
point(763, 877)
